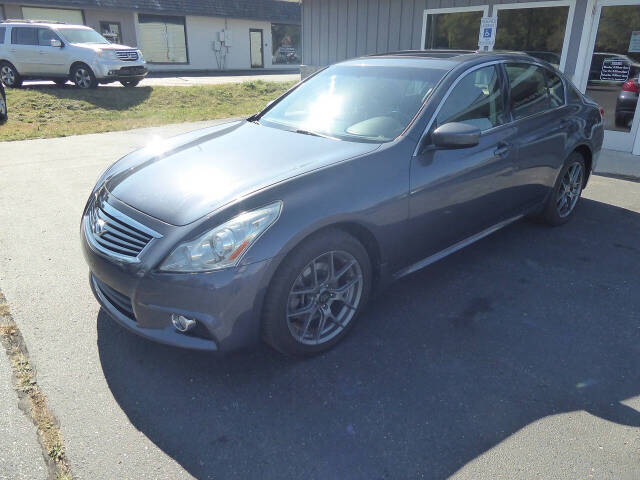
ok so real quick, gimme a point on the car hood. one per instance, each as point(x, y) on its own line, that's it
point(187, 177)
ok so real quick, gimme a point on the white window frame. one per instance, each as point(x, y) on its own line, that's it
point(621, 141)
point(557, 3)
point(432, 11)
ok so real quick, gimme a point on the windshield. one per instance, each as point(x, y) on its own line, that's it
point(356, 102)
point(82, 35)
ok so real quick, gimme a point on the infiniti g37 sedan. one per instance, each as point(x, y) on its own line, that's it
point(280, 226)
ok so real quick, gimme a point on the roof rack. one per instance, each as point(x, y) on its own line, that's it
point(18, 20)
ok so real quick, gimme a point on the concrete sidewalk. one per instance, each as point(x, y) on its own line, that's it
point(619, 164)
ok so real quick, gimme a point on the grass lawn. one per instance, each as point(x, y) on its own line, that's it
point(45, 112)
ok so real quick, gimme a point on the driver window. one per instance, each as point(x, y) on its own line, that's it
point(45, 36)
point(476, 100)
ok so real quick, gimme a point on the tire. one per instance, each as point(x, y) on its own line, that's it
point(60, 83)
point(329, 308)
point(130, 83)
point(83, 77)
point(3, 109)
point(558, 211)
point(10, 76)
point(621, 120)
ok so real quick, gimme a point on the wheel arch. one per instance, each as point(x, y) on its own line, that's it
point(585, 151)
point(78, 63)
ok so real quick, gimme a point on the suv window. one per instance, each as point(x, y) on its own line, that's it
point(24, 36)
point(45, 35)
point(3, 31)
point(476, 99)
point(529, 94)
point(556, 89)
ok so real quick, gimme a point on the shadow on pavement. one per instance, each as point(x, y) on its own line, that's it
point(443, 365)
point(106, 98)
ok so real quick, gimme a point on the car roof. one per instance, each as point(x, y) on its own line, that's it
point(40, 23)
point(443, 59)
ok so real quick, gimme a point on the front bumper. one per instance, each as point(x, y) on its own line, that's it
point(227, 304)
point(112, 71)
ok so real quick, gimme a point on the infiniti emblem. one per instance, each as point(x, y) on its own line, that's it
point(99, 227)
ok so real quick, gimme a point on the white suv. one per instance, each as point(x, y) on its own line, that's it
point(59, 52)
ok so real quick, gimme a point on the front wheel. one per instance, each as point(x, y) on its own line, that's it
point(10, 76)
point(567, 191)
point(130, 83)
point(317, 294)
point(83, 77)
point(3, 109)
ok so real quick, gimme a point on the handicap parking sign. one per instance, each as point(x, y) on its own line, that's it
point(487, 33)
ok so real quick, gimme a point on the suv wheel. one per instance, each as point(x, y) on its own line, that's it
point(316, 294)
point(10, 76)
point(3, 109)
point(83, 77)
point(130, 83)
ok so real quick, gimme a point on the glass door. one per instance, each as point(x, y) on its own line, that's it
point(255, 46)
point(613, 76)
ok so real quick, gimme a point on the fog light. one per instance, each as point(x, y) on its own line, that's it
point(182, 323)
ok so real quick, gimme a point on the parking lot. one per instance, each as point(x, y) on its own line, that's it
point(514, 358)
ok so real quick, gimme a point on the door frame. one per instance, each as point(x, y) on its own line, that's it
point(629, 140)
point(252, 30)
point(435, 11)
point(554, 3)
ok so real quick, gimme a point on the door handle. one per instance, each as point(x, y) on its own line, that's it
point(503, 149)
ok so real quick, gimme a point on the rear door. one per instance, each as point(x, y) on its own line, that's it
point(24, 49)
point(456, 193)
point(544, 124)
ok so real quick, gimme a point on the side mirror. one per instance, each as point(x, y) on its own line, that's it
point(56, 43)
point(455, 135)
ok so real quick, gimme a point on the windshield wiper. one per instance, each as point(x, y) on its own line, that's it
point(314, 134)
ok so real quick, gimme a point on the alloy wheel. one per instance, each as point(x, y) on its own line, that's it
point(324, 297)
point(82, 78)
point(3, 108)
point(570, 189)
point(7, 75)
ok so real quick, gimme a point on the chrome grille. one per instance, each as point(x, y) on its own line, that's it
point(115, 234)
point(119, 301)
point(127, 55)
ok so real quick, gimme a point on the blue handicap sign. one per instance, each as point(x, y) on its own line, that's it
point(486, 33)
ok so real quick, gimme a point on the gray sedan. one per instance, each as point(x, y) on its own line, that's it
point(281, 226)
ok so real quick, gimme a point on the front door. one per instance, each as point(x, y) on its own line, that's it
point(613, 74)
point(256, 48)
point(50, 60)
point(457, 193)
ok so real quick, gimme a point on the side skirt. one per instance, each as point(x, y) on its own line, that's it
point(454, 248)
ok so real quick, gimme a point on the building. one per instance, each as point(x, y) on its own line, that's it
point(185, 35)
point(595, 42)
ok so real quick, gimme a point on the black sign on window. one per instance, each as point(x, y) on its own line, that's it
point(614, 70)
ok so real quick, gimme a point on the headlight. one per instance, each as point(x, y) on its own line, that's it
point(108, 54)
point(140, 56)
point(223, 246)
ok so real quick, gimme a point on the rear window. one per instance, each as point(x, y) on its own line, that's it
point(3, 31)
point(24, 36)
point(529, 93)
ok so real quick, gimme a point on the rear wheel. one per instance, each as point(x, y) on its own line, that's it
point(130, 83)
point(566, 193)
point(317, 294)
point(10, 76)
point(83, 77)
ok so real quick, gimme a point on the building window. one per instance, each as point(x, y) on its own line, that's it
point(450, 28)
point(539, 31)
point(73, 17)
point(285, 41)
point(2, 17)
point(163, 39)
point(112, 31)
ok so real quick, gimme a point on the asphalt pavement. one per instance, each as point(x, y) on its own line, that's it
point(514, 358)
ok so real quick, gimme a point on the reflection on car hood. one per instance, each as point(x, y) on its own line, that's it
point(187, 177)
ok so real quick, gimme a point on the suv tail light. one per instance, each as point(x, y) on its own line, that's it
point(631, 86)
